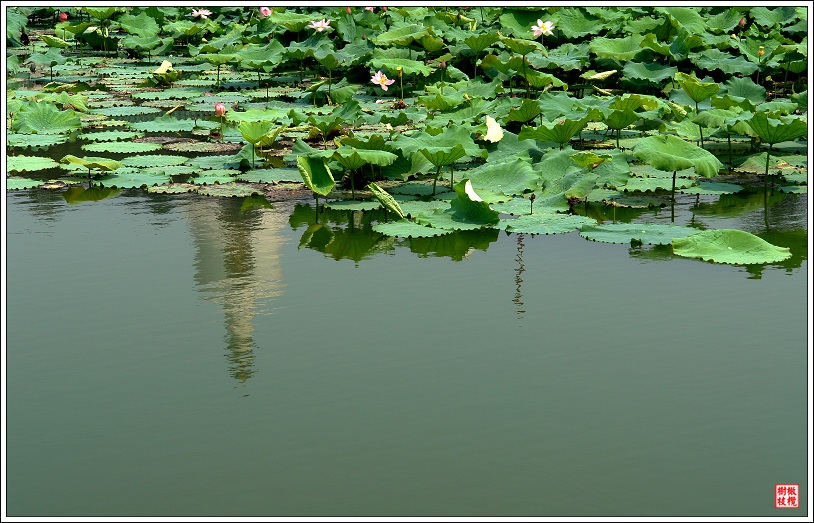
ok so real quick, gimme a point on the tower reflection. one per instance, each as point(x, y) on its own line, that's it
point(237, 265)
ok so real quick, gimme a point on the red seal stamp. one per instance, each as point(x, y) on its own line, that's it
point(786, 496)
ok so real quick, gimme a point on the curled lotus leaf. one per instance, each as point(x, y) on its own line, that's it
point(315, 174)
point(93, 162)
point(646, 233)
point(386, 199)
point(774, 130)
point(695, 88)
point(730, 246)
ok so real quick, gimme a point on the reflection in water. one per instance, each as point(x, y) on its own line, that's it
point(518, 278)
point(237, 265)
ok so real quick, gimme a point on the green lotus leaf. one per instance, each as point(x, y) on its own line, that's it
point(173, 188)
point(670, 153)
point(559, 132)
point(121, 147)
point(386, 199)
point(416, 188)
point(291, 20)
point(227, 190)
point(126, 110)
point(353, 205)
point(619, 119)
point(528, 110)
point(440, 156)
point(687, 17)
point(467, 206)
point(519, 206)
point(546, 223)
point(167, 94)
point(776, 108)
point(621, 49)
point(93, 162)
point(730, 246)
point(352, 158)
point(645, 233)
point(712, 59)
point(35, 140)
point(654, 184)
point(509, 178)
point(100, 13)
point(50, 58)
point(775, 17)
point(315, 174)
point(538, 80)
point(29, 163)
point(53, 41)
point(520, 46)
point(481, 41)
point(213, 177)
point(74, 195)
point(518, 21)
point(284, 174)
point(404, 228)
point(723, 22)
point(255, 131)
point(255, 201)
point(712, 188)
point(107, 136)
point(568, 56)
point(400, 35)
point(16, 183)
point(143, 24)
point(652, 72)
point(575, 23)
point(45, 118)
point(128, 178)
point(409, 67)
point(441, 102)
point(695, 88)
point(772, 130)
point(588, 158)
point(154, 160)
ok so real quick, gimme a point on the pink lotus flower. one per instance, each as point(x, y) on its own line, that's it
point(543, 28)
point(265, 11)
point(320, 25)
point(63, 17)
point(220, 109)
point(381, 80)
point(202, 13)
point(348, 10)
point(369, 9)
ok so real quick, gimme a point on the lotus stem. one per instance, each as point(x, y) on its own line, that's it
point(435, 180)
point(729, 143)
point(352, 187)
point(767, 165)
point(701, 130)
point(451, 174)
point(673, 193)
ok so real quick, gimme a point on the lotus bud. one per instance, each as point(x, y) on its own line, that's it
point(384, 9)
point(399, 70)
point(742, 23)
point(63, 17)
point(220, 109)
point(760, 51)
point(265, 11)
point(347, 10)
point(443, 64)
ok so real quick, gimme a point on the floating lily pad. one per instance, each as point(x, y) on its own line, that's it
point(121, 147)
point(646, 233)
point(408, 229)
point(712, 188)
point(284, 174)
point(730, 246)
point(15, 183)
point(108, 136)
point(126, 110)
point(353, 205)
point(546, 223)
point(35, 140)
point(173, 188)
point(153, 160)
point(127, 178)
point(227, 190)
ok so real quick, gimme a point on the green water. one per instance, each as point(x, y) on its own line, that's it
point(174, 356)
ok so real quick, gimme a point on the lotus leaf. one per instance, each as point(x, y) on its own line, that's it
point(509, 178)
point(35, 140)
point(126, 110)
point(53, 41)
point(29, 163)
point(404, 228)
point(173, 188)
point(712, 188)
point(270, 175)
point(669, 153)
point(353, 205)
point(645, 233)
point(15, 183)
point(697, 90)
point(481, 42)
point(315, 174)
point(214, 176)
point(93, 162)
point(400, 35)
point(45, 118)
point(143, 24)
point(127, 178)
point(730, 246)
point(653, 72)
point(386, 199)
point(545, 223)
point(621, 49)
point(773, 130)
point(121, 147)
point(227, 190)
point(559, 132)
point(106, 136)
point(153, 160)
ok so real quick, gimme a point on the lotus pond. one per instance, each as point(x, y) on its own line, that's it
point(406, 262)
